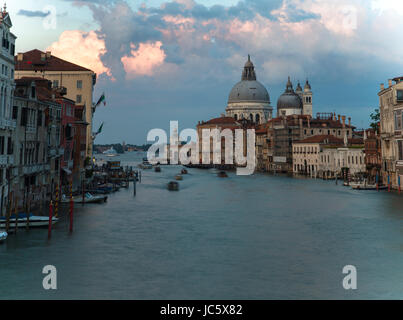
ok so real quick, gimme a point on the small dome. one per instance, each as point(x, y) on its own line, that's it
point(289, 99)
point(299, 88)
point(307, 86)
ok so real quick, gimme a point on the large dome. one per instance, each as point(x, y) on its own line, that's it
point(250, 91)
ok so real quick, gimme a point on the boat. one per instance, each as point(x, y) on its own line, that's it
point(222, 174)
point(146, 164)
point(184, 171)
point(364, 186)
point(110, 152)
point(88, 198)
point(22, 221)
point(173, 186)
point(178, 177)
point(3, 236)
point(157, 169)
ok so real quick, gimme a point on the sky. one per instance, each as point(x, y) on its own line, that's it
point(158, 60)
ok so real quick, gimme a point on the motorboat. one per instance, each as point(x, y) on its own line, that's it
point(110, 152)
point(22, 220)
point(222, 174)
point(364, 186)
point(3, 236)
point(178, 177)
point(146, 164)
point(173, 186)
point(184, 171)
point(88, 198)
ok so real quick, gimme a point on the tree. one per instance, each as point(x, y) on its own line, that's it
point(375, 118)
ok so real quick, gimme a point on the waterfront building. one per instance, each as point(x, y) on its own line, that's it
point(34, 138)
point(78, 81)
point(373, 155)
point(391, 130)
point(249, 99)
point(222, 123)
point(283, 131)
point(297, 102)
point(326, 156)
point(7, 123)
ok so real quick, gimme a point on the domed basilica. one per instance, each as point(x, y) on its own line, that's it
point(250, 100)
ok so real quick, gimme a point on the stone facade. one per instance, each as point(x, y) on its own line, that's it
point(391, 131)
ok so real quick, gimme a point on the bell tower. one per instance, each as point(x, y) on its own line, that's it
point(307, 99)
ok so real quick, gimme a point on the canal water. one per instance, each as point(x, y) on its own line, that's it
point(253, 237)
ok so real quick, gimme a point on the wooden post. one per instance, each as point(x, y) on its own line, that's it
point(82, 187)
point(16, 214)
point(57, 201)
point(50, 219)
point(29, 210)
point(10, 201)
point(134, 187)
point(71, 205)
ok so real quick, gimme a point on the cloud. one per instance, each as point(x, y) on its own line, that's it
point(91, 48)
point(144, 60)
point(347, 45)
point(33, 14)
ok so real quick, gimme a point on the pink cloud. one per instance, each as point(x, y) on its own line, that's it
point(144, 60)
point(82, 48)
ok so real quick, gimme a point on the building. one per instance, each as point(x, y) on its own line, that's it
point(222, 123)
point(7, 123)
point(326, 156)
point(298, 102)
point(391, 131)
point(249, 99)
point(33, 181)
point(78, 81)
point(283, 131)
point(373, 155)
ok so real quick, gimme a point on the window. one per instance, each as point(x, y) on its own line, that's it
point(9, 146)
point(79, 98)
point(15, 112)
point(398, 120)
point(1, 145)
point(79, 84)
point(24, 116)
point(55, 84)
point(399, 95)
point(33, 92)
point(400, 147)
point(39, 120)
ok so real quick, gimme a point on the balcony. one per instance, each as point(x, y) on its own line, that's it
point(35, 168)
point(31, 129)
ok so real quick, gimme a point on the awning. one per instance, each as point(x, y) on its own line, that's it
point(68, 171)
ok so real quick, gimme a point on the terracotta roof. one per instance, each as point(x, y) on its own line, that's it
point(329, 139)
point(32, 61)
point(222, 120)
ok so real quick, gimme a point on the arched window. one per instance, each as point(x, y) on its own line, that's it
point(251, 117)
point(235, 116)
point(257, 118)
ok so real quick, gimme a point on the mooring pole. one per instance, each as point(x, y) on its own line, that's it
point(134, 186)
point(71, 206)
point(50, 219)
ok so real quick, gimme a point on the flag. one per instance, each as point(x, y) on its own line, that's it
point(100, 129)
point(101, 99)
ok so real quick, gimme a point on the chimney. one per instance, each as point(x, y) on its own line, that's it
point(338, 117)
point(390, 82)
point(349, 121)
point(343, 118)
point(382, 86)
point(48, 54)
point(20, 57)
